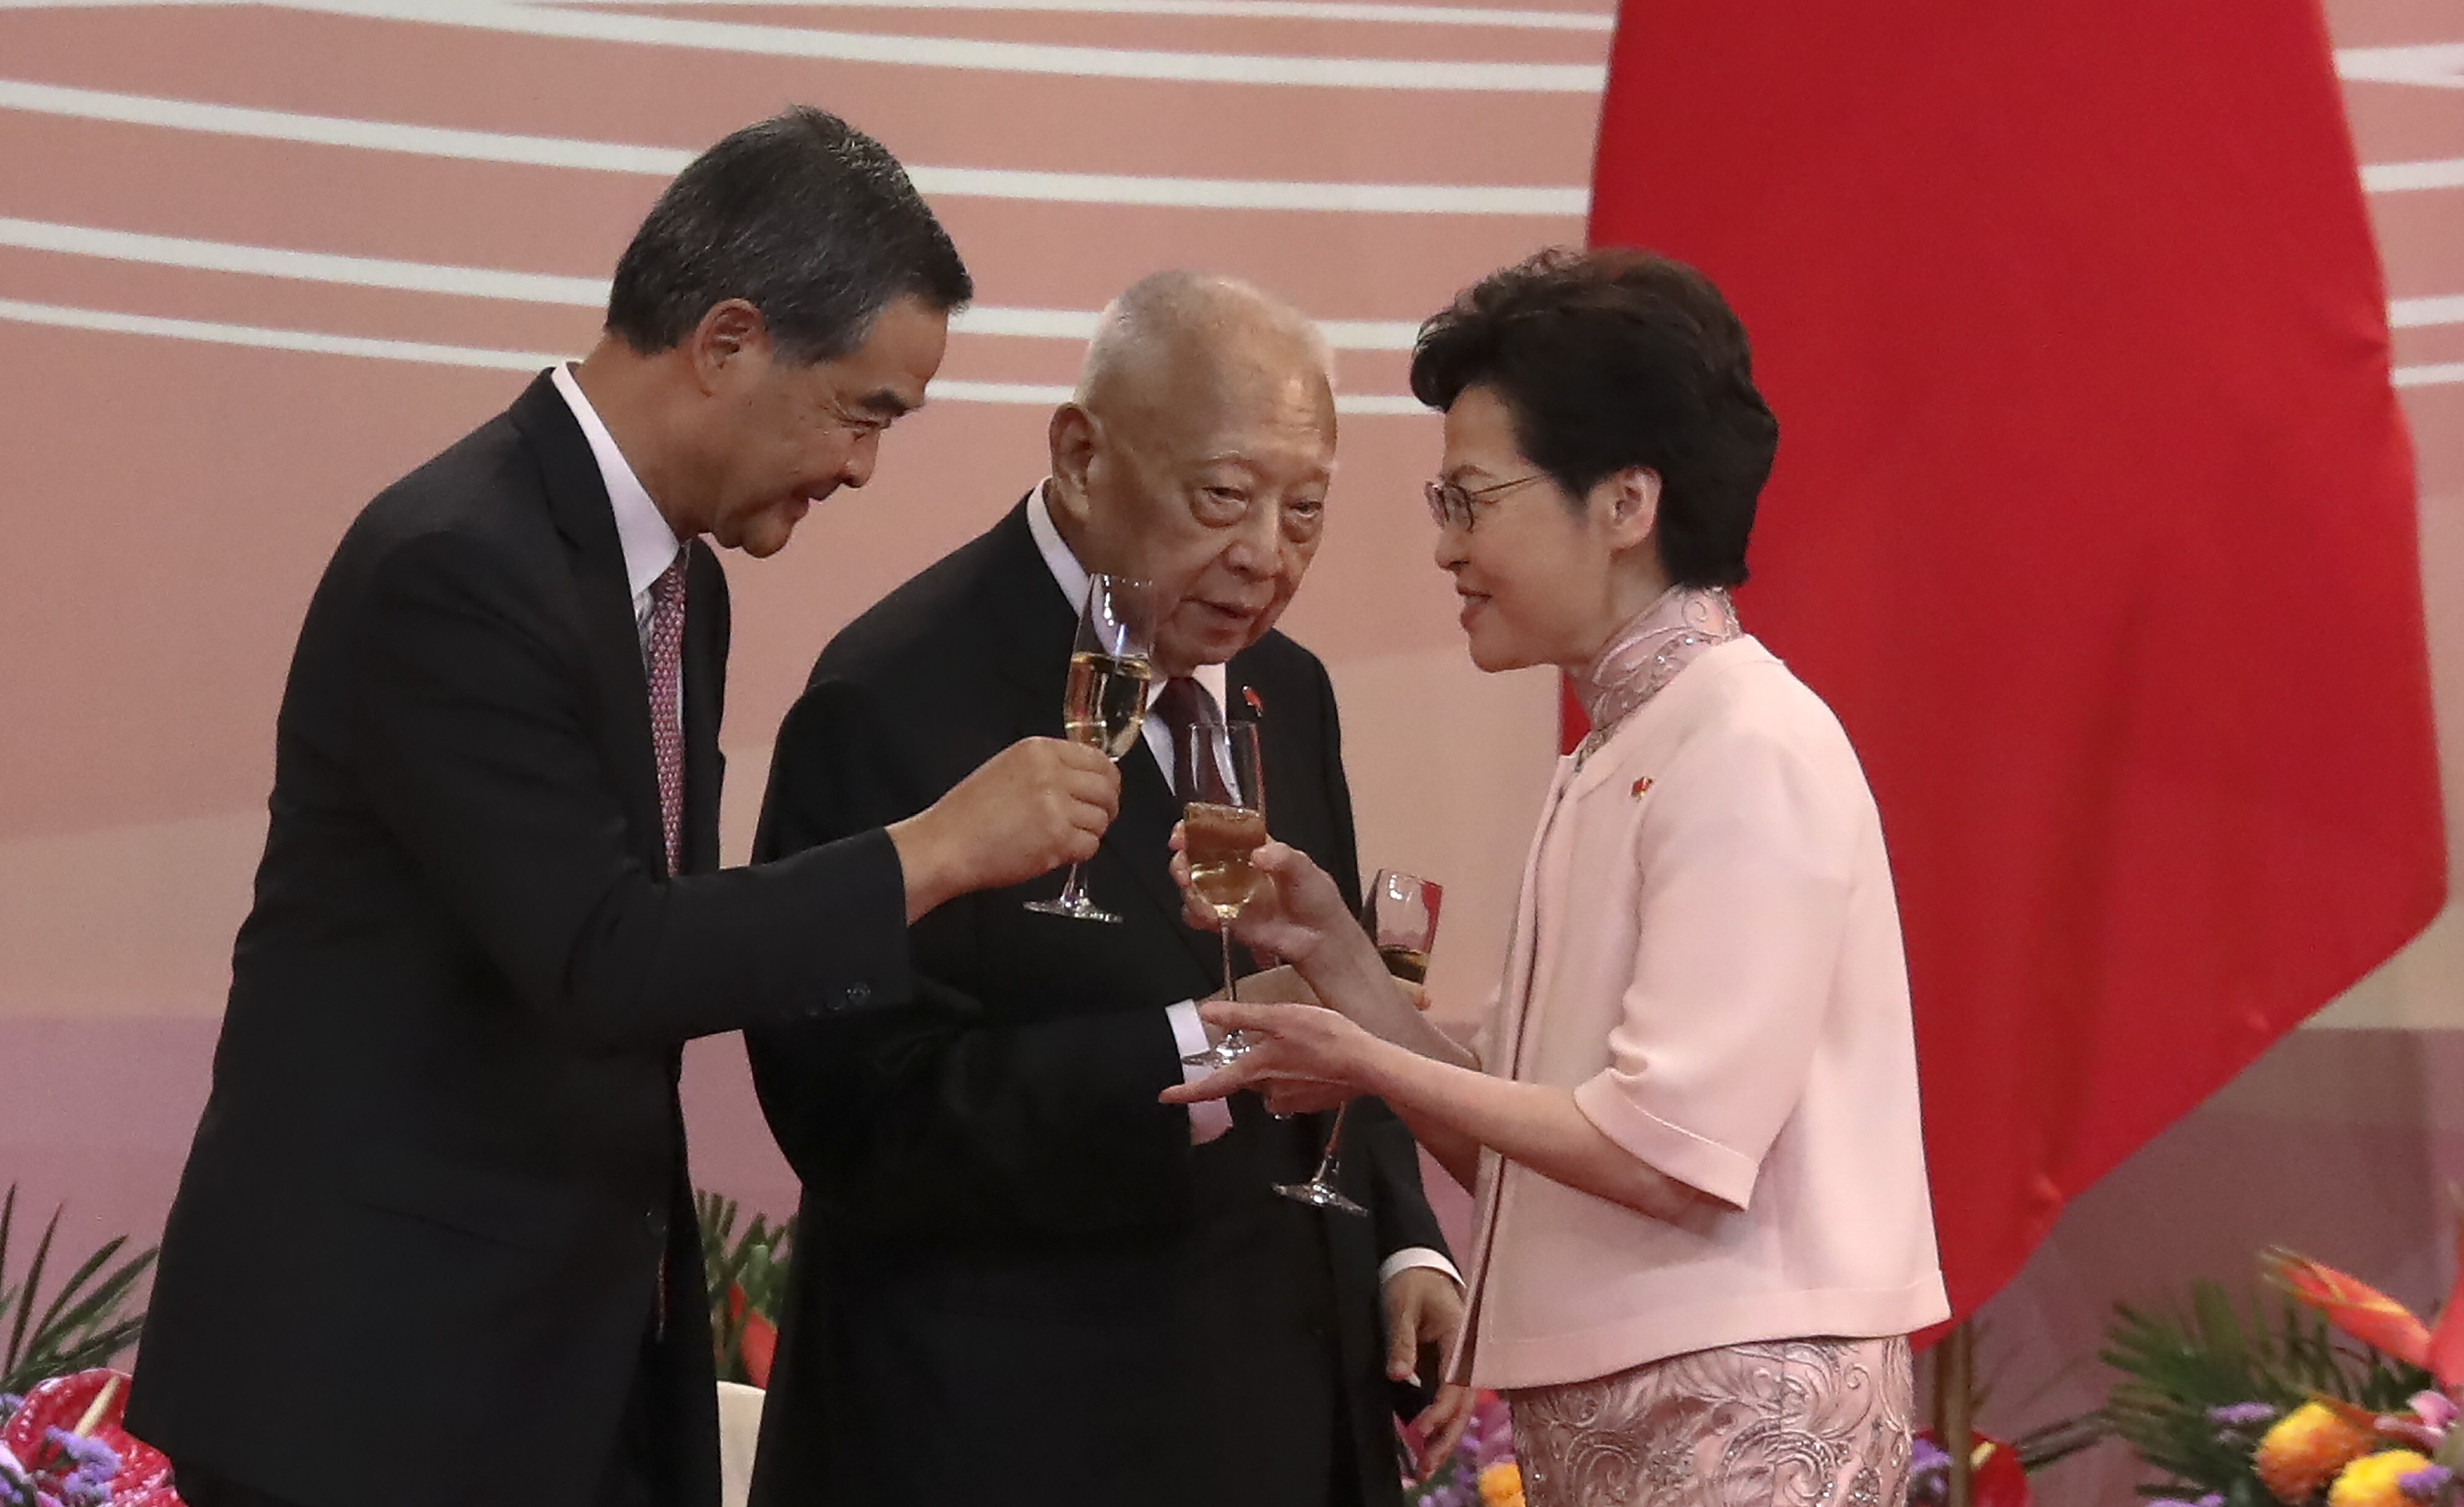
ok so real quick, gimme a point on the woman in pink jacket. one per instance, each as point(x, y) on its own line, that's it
point(1692, 1125)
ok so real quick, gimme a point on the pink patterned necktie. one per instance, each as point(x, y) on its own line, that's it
point(665, 653)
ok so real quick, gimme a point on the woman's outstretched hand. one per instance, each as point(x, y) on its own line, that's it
point(1293, 911)
point(1307, 1047)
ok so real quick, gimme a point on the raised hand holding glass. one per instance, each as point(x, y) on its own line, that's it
point(1104, 704)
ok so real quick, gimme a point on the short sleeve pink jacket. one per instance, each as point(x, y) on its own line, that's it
point(1706, 952)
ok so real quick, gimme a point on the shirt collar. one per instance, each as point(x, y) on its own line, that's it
point(649, 544)
point(1072, 577)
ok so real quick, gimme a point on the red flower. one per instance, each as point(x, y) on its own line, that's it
point(2446, 1359)
point(2357, 1308)
point(91, 1403)
point(759, 1338)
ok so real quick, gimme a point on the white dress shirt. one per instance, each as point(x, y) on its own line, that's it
point(649, 544)
point(1213, 1117)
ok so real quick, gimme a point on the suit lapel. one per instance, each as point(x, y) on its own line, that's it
point(577, 502)
point(705, 666)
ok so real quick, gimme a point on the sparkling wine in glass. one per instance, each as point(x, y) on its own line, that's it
point(1104, 704)
point(1401, 914)
point(1222, 822)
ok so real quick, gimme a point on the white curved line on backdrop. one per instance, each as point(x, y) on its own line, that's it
point(2440, 65)
point(371, 349)
point(2408, 314)
point(1565, 202)
point(941, 51)
point(532, 287)
point(664, 161)
point(113, 321)
point(1243, 9)
point(2399, 177)
point(591, 293)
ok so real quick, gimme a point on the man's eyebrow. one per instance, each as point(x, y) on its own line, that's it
point(887, 404)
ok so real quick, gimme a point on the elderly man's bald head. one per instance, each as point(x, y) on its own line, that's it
point(1196, 452)
point(1179, 341)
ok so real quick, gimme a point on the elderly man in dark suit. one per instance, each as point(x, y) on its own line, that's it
point(435, 1243)
point(1019, 1277)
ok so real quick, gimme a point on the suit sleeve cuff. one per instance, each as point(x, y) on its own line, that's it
point(1411, 1256)
point(1213, 1117)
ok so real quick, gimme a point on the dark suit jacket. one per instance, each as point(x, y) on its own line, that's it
point(417, 1248)
point(1016, 1279)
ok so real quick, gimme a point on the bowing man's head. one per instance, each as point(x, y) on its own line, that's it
point(1196, 452)
point(786, 300)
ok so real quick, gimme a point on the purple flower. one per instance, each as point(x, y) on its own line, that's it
point(2212, 1500)
point(2239, 1417)
point(2426, 1483)
point(89, 1456)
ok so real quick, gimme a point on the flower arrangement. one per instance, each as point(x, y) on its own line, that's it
point(63, 1445)
point(1482, 1471)
point(2259, 1414)
point(747, 1277)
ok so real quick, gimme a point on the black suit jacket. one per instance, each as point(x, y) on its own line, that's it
point(1016, 1279)
point(418, 1245)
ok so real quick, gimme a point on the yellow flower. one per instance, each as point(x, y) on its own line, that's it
point(2305, 1450)
point(1501, 1485)
point(2376, 1480)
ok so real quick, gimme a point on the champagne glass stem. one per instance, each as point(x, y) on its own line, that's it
point(1235, 1041)
point(1333, 1141)
point(1069, 899)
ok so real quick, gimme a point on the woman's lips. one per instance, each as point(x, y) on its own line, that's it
point(1472, 602)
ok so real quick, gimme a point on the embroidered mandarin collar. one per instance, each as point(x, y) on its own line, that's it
point(1641, 658)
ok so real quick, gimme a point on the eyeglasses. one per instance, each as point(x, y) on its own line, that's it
point(1451, 502)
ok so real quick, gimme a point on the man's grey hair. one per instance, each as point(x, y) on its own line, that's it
point(801, 216)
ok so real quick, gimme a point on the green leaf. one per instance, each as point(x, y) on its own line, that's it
point(83, 1325)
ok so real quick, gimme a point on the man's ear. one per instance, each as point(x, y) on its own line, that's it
point(1071, 435)
point(727, 337)
point(1633, 505)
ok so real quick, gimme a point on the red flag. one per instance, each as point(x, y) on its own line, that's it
point(2093, 519)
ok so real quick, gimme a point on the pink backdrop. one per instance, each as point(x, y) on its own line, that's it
point(257, 261)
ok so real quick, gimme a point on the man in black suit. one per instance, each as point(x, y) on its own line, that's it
point(435, 1243)
point(1017, 1278)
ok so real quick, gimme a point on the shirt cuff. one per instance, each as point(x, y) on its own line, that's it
point(1213, 1117)
point(1410, 1256)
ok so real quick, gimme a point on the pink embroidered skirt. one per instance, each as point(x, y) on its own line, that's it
point(1799, 1422)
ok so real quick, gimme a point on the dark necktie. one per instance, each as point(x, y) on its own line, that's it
point(665, 658)
point(1181, 703)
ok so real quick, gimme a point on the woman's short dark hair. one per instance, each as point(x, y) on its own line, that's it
point(801, 215)
point(1612, 359)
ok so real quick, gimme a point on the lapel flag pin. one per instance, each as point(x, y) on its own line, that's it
point(1639, 787)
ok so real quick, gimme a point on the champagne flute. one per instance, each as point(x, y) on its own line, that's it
point(1401, 918)
point(1222, 822)
point(1105, 704)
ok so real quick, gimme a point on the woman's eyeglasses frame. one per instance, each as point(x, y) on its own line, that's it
point(1454, 506)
